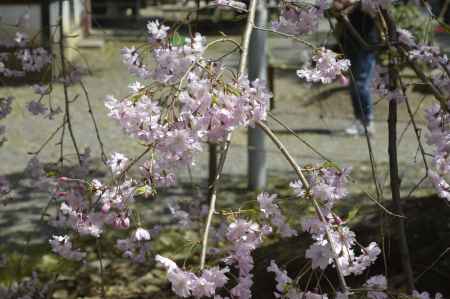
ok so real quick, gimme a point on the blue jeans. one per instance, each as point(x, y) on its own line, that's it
point(362, 65)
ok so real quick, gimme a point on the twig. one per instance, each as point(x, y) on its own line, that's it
point(61, 140)
point(120, 176)
point(306, 43)
point(97, 132)
point(433, 264)
point(37, 152)
point(419, 141)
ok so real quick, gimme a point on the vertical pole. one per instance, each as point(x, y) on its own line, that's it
point(45, 23)
point(257, 68)
point(87, 18)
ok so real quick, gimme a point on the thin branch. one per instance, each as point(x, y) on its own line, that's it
point(52, 135)
point(312, 148)
point(212, 196)
point(64, 75)
point(130, 165)
point(433, 264)
point(94, 121)
point(297, 39)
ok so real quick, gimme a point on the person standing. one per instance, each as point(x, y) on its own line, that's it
point(362, 65)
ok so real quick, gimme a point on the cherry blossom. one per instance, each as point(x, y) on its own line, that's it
point(36, 108)
point(157, 31)
point(186, 284)
point(62, 246)
point(299, 21)
point(327, 67)
point(377, 282)
point(118, 163)
point(271, 211)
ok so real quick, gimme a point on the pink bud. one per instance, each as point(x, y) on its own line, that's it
point(125, 223)
point(121, 223)
point(343, 80)
point(105, 207)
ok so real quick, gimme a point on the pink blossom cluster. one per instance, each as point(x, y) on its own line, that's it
point(438, 124)
point(27, 288)
point(425, 295)
point(34, 60)
point(136, 246)
point(437, 61)
point(157, 32)
point(203, 108)
point(428, 54)
point(328, 186)
point(172, 61)
point(377, 285)
point(245, 236)
point(381, 86)
point(131, 58)
point(31, 59)
point(271, 211)
point(294, 20)
point(91, 208)
point(406, 38)
point(345, 246)
point(78, 212)
point(62, 246)
point(285, 287)
point(186, 284)
point(326, 67)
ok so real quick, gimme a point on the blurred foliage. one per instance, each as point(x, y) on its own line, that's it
point(410, 17)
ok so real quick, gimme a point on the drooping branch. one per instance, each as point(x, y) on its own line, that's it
point(301, 176)
point(212, 188)
point(65, 83)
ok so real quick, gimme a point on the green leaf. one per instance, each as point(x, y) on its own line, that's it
point(178, 40)
point(352, 214)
